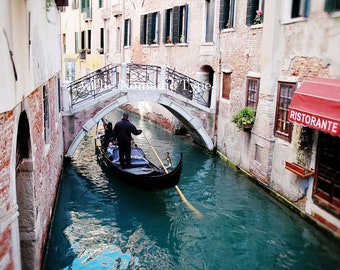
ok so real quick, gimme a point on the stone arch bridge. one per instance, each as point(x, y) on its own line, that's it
point(87, 100)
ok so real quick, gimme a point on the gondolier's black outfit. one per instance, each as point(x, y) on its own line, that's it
point(122, 131)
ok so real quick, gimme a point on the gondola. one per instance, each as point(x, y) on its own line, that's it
point(142, 174)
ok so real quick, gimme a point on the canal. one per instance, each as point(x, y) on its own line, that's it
point(100, 223)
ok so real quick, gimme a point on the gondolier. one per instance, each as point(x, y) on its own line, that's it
point(122, 131)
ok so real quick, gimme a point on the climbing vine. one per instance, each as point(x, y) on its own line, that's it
point(305, 145)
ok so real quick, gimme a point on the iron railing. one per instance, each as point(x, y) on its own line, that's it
point(94, 84)
point(139, 77)
point(188, 87)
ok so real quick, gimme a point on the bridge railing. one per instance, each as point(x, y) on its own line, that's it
point(136, 76)
point(143, 76)
point(188, 87)
point(150, 77)
point(94, 84)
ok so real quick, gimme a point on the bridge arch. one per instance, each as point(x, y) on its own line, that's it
point(192, 123)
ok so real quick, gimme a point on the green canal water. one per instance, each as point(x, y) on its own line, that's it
point(100, 223)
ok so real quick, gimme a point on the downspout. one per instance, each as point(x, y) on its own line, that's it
point(123, 24)
point(217, 89)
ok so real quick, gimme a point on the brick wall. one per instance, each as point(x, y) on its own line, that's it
point(43, 169)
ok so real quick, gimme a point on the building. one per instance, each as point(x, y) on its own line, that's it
point(30, 128)
point(254, 53)
point(265, 58)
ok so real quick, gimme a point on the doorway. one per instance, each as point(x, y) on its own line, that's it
point(25, 195)
point(327, 177)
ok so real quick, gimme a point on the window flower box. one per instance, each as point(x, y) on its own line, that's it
point(299, 170)
point(244, 119)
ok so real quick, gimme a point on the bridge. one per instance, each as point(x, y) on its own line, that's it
point(87, 100)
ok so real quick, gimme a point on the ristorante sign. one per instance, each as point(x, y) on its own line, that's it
point(314, 121)
point(316, 104)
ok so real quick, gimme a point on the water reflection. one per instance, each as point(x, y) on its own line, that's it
point(100, 223)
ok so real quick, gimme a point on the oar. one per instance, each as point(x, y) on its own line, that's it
point(190, 206)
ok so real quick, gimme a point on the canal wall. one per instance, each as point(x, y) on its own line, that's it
point(294, 207)
point(30, 129)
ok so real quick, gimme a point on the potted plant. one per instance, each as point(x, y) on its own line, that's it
point(258, 17)
point(244, 119)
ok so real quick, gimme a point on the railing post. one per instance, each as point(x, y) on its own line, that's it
point(66, 96)
point(212, 104)
point(123, 82)
point(163, 77)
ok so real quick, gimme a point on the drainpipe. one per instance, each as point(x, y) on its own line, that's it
point(217, 90)
point(123, 24)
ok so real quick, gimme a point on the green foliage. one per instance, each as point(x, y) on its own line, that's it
point(246, 116)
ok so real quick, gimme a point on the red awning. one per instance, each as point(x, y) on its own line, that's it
point(316, 104)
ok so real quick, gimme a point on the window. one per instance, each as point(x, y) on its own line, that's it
point(70, 69)
point(118, 39)
point(76, 42)
point(300, 8)
point(101, 48)
point(100, 3)
point(227, 8)
point(332, 5)
point(149, 31)
point(86, 9)
point(127, 32)
point(143, 29)
point(168, 26)
point(46, 106)
point(64, 43)
point(75, 4)
point(253, 86)
point(255, 12)
point(226, 85)
point(209, 20)
point(176, 25)
point(283, 128)
point(85, 5)
point(89, 41)
point(82, 40)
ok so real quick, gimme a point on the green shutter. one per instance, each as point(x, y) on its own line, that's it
point(76, 45)
point(176, 24)
point(251, 11)
point(126, 32)
point(142, 30)
point(186, 22)
point(165, 26)
point(149, 36)
point(222, 20)
point(307, 8)
point(329, 5)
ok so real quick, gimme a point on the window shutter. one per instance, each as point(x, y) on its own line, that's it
point(251, 12)
point(150, 28)
point(222, 20)
point(89, 39)
point(307, 7)
point(142, 30)
point(231, 12)
point(126, 27)
point(176, 24)
point(329, 5)
point(165, 26)
point(186, 23)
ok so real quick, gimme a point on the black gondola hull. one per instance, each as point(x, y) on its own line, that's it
point(151, 179)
